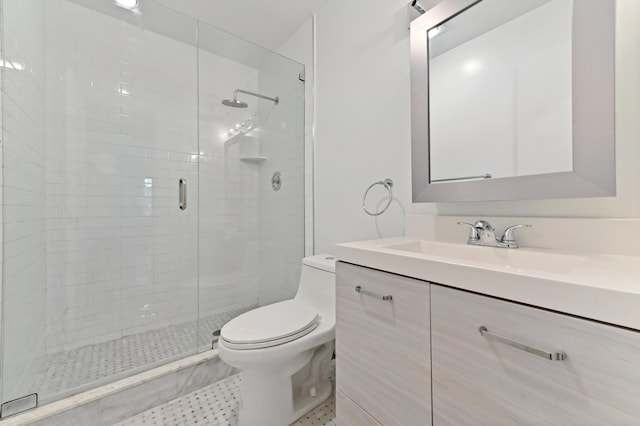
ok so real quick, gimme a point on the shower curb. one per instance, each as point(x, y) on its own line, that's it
point(108, 404)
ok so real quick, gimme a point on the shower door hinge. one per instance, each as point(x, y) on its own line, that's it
point(302, 77)
point(19, 405)
point(216, 337)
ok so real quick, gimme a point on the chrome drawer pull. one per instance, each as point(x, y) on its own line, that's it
point(368, 293)
point(557, 356)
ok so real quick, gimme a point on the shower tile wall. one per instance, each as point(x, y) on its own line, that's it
point(122, 132)
point(282, 224)
point(24, 194)
point(121, 257)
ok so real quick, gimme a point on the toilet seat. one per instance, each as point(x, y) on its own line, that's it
point(270, 325)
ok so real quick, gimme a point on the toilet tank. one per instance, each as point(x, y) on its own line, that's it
point(317, 286)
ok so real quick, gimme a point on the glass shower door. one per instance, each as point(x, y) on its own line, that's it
point(251, 231)
point(100, 200)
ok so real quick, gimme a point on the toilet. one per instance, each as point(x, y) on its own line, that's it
point(285, 349)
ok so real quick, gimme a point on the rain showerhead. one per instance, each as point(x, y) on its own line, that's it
point(235, 103)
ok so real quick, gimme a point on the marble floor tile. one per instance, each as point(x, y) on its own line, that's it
point(71, 369)
point(217, 405)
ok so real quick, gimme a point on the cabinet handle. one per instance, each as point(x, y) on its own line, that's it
point(557, 356)
point(368, 293)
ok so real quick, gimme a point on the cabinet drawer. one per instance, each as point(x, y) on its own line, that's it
point(382, 346)
point(349, 414)
point(484, 380)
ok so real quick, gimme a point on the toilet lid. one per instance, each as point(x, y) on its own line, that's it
point(270, 325)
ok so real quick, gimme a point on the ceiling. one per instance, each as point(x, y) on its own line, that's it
point(268, 23)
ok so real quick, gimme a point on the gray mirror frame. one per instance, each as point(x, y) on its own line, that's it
point(593, 103)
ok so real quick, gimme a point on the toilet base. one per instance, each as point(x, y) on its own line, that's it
point(277, 396)
point(308, 403)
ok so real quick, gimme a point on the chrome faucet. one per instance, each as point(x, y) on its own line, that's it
point(482, 233)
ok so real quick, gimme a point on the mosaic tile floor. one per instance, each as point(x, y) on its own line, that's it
point(92, 363)
point(217, 405)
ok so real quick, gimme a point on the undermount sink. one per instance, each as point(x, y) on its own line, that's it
point(492, 257)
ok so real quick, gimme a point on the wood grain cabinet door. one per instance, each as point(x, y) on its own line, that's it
point(349, 413)
point(487, 380)
point(382, 346)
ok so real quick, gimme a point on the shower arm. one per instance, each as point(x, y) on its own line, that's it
point(275, 100)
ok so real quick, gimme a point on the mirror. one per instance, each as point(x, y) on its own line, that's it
point(508, 76)
point(513, 100)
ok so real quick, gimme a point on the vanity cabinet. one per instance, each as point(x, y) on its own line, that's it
point(351, 413)
point(382, 348)
point(432, 353)
point(485, 380)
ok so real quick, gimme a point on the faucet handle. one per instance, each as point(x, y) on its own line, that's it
point(509, 238)
point(474, 236)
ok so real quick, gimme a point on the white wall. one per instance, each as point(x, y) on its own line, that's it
point(362, 116)
point(24, 151)
point(363, 123)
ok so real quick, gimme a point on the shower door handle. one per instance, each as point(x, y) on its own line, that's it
point(182, 194)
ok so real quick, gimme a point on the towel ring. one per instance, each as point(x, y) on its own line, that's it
point(388, 184)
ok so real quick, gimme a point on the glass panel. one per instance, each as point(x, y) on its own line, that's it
point(251, 237)
point(100, 124)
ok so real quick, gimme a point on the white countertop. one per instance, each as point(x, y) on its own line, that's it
point(602, 287)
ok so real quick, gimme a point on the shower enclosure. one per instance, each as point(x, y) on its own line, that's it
point(139, 212)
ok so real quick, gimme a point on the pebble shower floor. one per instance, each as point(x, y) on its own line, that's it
point(217, 405)
point(70, 369)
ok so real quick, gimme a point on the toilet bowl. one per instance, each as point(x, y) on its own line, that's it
point(285, 349)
